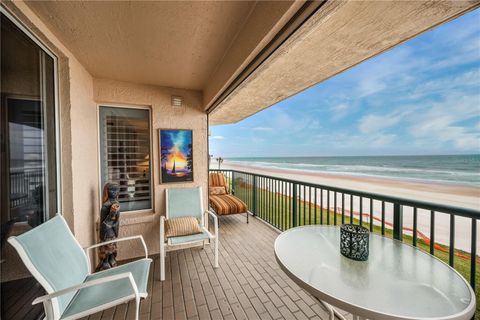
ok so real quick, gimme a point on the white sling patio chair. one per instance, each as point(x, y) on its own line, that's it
point(55, 258)
point(186, 202)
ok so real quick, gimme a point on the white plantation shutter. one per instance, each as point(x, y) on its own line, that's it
point(125, 155)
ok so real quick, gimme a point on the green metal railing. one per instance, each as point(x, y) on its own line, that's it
point(285, 203)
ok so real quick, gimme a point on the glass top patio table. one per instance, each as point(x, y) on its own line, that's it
point(397, 281)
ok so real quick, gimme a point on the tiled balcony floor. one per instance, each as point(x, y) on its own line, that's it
point(248, 285)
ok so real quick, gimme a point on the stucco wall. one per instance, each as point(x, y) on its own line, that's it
point(84, 174)
point(164, 116)
point(79, 95)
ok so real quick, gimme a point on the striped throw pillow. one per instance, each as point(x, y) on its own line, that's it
point(181, 227)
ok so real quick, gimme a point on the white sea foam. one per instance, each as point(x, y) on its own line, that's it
point(420, 170)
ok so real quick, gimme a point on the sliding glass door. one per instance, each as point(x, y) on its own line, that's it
point(28, 180)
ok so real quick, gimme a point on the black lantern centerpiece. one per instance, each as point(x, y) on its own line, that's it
point(354, 242)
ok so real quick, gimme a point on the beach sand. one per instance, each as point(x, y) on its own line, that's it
point(443, 193)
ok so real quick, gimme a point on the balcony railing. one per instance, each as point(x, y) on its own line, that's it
point(22, 187)
point(285, 204)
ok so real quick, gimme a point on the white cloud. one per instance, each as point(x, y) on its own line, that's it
point(339, 111)
point(469, 79)
point(265, 129)
point(441, 122)
point(371, 85)
point(432, 123)
point(360, 143)
point(284, 121)
point(377, 123)
point(441, 130)
point(449, 61)
point(217, 137)
point(314, 124)
point(342, 107)
point(379, 74)
point(382, 140)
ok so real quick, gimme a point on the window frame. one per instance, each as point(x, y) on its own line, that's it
point(152, 164)
point(48, 51)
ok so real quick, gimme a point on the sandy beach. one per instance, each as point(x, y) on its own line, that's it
point(444, 193)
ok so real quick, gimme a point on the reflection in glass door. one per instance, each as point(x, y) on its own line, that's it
point(28, 188)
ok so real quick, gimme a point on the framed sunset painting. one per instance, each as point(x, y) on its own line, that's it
point(176, 155)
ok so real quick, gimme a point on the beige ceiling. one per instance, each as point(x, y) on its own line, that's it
point(338, 36)
point(178, 44)
point(205, 45)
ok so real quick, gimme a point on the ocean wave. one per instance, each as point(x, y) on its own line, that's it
point(355, 168)
point(415, 174)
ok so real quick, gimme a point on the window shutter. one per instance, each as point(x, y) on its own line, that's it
point(125, 143)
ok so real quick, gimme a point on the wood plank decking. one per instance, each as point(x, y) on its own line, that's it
point(248, 285)
point(17, 297)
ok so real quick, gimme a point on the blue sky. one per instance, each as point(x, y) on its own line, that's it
point(178, 138)
point(422, 97)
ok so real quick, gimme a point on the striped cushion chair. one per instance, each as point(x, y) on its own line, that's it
point(220, 200)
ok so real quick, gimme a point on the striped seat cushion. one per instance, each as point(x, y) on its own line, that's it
point(227, 204)
point(181, 227)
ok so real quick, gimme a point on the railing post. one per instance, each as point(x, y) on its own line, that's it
point(254, 195)
point(397, 221)
point(232, 190)
point(294, 207)
point(473, 255)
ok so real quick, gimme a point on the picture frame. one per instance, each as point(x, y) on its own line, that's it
point(175, 148)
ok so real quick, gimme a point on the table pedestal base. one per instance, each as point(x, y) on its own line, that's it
point(334, 312)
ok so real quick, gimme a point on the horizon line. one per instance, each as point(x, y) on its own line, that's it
point(372, 155)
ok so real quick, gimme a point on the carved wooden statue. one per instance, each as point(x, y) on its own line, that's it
point(109, 224)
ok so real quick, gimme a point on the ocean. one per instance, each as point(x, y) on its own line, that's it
point(458, 169)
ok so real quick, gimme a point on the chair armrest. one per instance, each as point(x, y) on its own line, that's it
point(215, 221)
point(119, 240)
point(125, 275)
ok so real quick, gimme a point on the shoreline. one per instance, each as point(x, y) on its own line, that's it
point(446, 194)
point(460, 195)
point(359, 175)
